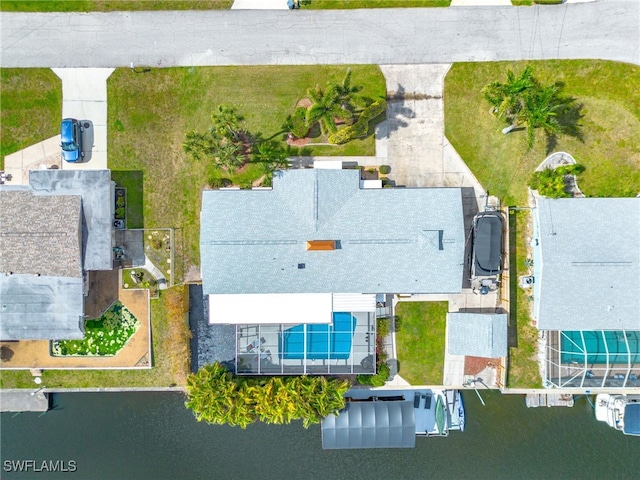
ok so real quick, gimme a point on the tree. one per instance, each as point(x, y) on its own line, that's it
point(325, 108)
point(272, 154)
point(508, 98)
point(347, 94)
point(226, 123)
point(522, 100)
point(218, 397)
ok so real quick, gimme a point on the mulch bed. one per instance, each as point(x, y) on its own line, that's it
point(474, 365)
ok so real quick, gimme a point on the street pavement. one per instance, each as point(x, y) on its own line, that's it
point(600, 30)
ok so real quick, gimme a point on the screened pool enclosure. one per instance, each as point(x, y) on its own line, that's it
point(345, 346)
point(598, 358)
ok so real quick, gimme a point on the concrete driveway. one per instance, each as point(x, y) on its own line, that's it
point(84, 96)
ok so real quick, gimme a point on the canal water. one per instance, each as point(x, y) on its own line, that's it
point(152, 436)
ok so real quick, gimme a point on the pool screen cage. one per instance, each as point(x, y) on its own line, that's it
point(341, 348)
point(592, 359)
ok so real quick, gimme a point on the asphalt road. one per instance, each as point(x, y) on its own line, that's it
point(605, 29)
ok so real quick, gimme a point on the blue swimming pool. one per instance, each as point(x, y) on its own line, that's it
point(622, 346)
point(323, 341)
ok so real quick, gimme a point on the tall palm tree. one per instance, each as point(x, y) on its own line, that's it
point(226, 123)
point(272, 154)
point(540, 109)
point(508, 98)
point(347, 94)
point(325, 108)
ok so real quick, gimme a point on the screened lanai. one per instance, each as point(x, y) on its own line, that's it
point(347, 345)
point(594, 358)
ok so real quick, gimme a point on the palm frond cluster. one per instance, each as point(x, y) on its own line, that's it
point(216, 396)
point(523, 100)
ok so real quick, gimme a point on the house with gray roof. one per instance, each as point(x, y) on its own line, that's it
point(317, 245)
point(587, 263)
point(586, 290)
point(52, 232)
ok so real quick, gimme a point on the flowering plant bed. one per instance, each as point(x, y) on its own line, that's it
point(104, 336)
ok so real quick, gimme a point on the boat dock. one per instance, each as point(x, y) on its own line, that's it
point(534, 400)
point(19, 400)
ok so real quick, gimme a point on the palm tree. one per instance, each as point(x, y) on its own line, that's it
point(507, 98)
point(226, 122)
point(347, 94)
point(325, 109)
point(540, 110)
point(272, 154)
point(229, 155)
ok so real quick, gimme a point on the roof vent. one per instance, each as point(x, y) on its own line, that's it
point(321, 244)
point(301, 266)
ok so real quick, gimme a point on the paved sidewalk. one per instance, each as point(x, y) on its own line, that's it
point(84, 96)
point(259, 5)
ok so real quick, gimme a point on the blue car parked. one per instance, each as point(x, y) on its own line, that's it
point(71, 137)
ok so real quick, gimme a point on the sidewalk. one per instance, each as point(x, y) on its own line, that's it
point(259, 5)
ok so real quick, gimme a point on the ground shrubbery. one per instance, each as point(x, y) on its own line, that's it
point(552, 182)
point(383, 328)
point(104, 336)
point(217, 396)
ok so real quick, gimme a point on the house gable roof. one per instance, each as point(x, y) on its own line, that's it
point(587, 264)
point(386, 240)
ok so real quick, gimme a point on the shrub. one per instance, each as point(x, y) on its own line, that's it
point(377, 380)
point(551, 182)
point(297, 123)
point(383, 326)
point(120, 213)
point(360, 128)
point(156, 243)
point(384, 169)
point(120, 202)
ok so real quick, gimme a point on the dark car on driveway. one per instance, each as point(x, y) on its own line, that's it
point(71, 140)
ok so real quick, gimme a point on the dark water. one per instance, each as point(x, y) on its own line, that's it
point(152, 436)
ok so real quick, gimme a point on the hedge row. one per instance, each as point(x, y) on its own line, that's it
point(361, 127)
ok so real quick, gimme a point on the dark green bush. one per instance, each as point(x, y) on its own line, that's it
point(376, 380)
point(216, 182)
point(383, 326)
point(551, 182)
point(297, 123)
point(120, 213)
point(384, 169)
point(361, 127)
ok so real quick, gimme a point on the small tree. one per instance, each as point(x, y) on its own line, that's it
point(325, 108)
point(347, 94)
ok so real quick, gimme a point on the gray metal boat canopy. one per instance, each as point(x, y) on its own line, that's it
point(371, 425)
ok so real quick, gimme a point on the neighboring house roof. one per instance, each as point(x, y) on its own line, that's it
point(40, 235)
point(587, 264)
point(477, 334)
point(50, 232)
point(47, 308)
point(94, 186)
point(371, 425)
point(386, 240)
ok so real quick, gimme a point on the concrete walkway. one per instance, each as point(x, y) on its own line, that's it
point(84, 96)
point(259, 5)
point(42, 155)
point(606, 30)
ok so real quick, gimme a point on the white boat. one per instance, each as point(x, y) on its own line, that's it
point(621, 412)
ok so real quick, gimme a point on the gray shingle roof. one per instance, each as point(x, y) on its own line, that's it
point(94, 186)
point(40, 235)
point(36, 308)
point(477, 334)
point(388, 240)
point(587, 264)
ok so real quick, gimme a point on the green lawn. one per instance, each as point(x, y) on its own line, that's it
point(349, 4)
point(149, 113)
point(30, 108)
point(420, 341)
point(110, 5)
point(611, 127)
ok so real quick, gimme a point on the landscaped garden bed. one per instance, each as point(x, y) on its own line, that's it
point(104, 336)
point(134, 278)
